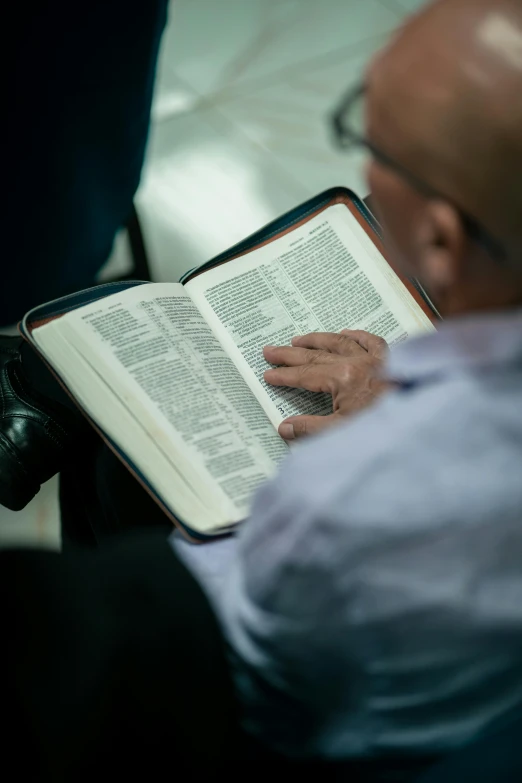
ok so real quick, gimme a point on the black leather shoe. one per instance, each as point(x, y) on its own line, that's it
point(36, 433)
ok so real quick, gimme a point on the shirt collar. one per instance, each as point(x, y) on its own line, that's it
point(461, 343)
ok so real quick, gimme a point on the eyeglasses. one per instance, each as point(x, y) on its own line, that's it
point(349, 130)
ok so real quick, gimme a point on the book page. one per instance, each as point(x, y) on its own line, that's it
point(326, 275)
point(160, 355)
point(139, 444)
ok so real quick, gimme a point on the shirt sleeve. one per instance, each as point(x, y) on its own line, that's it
point(209, 563)
point(271, 587)
point(276, 611)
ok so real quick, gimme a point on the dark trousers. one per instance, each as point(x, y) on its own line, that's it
point(112, 665)
point(100, 499)
point(77, 101)
point(111, 658)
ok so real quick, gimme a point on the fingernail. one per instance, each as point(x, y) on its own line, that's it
point(287, 431)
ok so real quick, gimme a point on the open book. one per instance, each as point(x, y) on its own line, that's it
point(172, 373)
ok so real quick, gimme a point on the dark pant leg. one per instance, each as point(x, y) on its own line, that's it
point(77, 103)
point(113, 667)
point(100, 499)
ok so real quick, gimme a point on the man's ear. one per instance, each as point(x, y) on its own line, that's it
point(441, 248)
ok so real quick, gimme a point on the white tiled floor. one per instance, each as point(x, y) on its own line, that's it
point(239, 135)
point(240, 129)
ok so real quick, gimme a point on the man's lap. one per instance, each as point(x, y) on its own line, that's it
point(99, 498)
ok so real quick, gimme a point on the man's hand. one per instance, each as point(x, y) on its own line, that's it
point(345, 365)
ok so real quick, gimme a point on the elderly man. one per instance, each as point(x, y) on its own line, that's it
point(374, 601)
point(372, 604)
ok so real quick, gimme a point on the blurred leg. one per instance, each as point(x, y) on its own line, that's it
point(100, 499)
point(113, 664)
point(79, 92)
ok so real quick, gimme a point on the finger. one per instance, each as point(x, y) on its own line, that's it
point(292, 357)
point(331, 342)
point(312, 377)
point(300, 426)
point(374, 345)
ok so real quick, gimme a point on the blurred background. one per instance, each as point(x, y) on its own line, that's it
point(239, 135)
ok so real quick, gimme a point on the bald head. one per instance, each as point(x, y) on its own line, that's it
point(445, 100)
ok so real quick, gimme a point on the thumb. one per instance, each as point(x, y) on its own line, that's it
point(300, 426)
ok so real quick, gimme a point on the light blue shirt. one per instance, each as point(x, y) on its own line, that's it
point(373, 601)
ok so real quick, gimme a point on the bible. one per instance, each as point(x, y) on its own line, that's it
point(171, 374)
